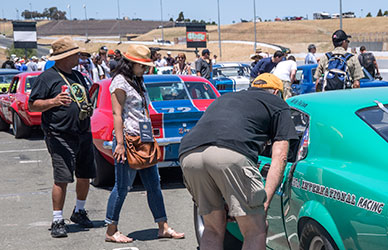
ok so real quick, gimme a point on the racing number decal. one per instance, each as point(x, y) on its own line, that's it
point(172, 109)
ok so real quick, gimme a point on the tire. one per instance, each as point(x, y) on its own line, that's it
point(4, 126)
point(19, 129)
point(105, 172)
point(230, 242)
point(315, 237)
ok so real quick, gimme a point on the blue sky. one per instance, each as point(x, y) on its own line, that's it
point(231, 10)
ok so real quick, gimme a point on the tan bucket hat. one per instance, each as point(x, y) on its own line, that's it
point(139, 54)
point(63, 47)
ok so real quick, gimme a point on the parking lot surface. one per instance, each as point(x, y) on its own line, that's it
point(26, 211)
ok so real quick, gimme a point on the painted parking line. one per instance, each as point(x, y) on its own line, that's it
point(30, 161)
point(23, 150)
point(126, 248)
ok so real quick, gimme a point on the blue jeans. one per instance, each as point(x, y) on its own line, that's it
point(124, 177)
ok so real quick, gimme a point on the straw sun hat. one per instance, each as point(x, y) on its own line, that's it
point(139, 54)
point(63, 47)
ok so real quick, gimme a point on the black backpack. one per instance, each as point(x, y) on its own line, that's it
point(367, 60)
point(336, 75)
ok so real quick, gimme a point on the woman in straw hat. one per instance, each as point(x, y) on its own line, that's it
point(128, 104)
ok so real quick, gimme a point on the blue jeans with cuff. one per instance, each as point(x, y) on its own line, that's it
point(124, 177)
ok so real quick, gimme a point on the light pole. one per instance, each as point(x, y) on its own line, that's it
point(71, 24)
point(161, 19)
point(118, 19)
point(219, 29)
point(340, 2)
point(31, 11)
point(254, 23)
point(17, 14)
point(86, 25)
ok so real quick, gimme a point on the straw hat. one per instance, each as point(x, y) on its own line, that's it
point(139, 54)
point(63, 47)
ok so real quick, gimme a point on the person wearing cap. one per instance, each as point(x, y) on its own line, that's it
point(341, 43)
point(114, 62)
point(310, 57)
point(203, 65)
point(219, 160)
point(8, 64)
point(32, 64)
point(170, 60)
point(129, 108)
point(66, 126)
point(103, 53)
point(41, 63)
point(286, 72)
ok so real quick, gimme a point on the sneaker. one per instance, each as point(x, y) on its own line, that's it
point(58, 229)
point(81, 218)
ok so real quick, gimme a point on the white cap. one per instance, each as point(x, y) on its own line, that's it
point(168, 52)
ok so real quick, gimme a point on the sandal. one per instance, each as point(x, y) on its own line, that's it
point(171, 234)
point(118, 237)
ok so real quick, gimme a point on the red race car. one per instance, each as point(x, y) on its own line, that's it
point(176, 103)
point(14, 105)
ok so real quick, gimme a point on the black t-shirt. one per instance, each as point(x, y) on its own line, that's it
point(61, 119)
point(203, 67)
point(242, 121)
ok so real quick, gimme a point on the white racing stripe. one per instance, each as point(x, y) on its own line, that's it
point(275, 236)
point(23, 150)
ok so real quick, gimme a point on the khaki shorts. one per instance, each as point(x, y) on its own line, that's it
point(215, 175)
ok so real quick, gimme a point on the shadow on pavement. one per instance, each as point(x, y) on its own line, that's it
point(75, 228)
point(144, 235)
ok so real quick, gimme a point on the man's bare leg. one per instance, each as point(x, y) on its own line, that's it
point(213, 235)
point(253, 228)
point(58, 195)
point(82, 188)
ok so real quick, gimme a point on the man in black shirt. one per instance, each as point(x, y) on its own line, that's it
point(203, 65)
point(66, 125)
point(219, 159)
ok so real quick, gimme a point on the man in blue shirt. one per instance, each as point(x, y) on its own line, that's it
point(267, 64)
point(310, 57)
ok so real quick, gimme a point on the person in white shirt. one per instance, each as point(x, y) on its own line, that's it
point(160, 62)
point(310, 57)
point(286, 71)
point(41, 63)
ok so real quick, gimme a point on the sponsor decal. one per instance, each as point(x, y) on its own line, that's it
point(196, 36)
point(299, 103)
point(338, 195)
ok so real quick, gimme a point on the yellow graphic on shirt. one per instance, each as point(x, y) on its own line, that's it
point(79, 92)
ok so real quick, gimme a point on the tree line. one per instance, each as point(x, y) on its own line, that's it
point(48, 13)
point(379, 13)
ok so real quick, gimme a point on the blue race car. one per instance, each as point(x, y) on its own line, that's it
point(305, 81)
point(231, 77)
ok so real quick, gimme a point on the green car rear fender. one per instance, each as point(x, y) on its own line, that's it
point(314, 210)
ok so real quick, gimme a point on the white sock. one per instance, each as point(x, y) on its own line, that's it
point(57, 215)
point(79, 205)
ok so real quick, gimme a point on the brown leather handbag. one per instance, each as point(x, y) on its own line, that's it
point(141, 154)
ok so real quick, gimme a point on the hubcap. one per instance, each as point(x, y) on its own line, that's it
point(317, 244)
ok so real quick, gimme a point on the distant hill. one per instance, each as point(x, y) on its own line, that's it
point(98, 27)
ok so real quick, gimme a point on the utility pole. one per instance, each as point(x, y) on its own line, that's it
point(219, 29)
point(340, 14)
point(254, 23)
point(31, 11)
point(17, 14)
point(71, 23)
point(118, 19)
point(86, 25)
point(161, 19)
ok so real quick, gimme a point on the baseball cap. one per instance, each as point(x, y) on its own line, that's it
point(168, 52)
point(311, 46)
point(111, 52)
point(104, 48)
point(205, 51)
point(339, 36)
point(268, 81)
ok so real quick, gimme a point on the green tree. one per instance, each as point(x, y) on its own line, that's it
point(369, 14)
point(386, 13)
point(171, 20)
point(181, 17)
point(380, 13)
point(21, 52)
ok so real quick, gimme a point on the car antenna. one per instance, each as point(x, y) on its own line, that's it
point(381, 106)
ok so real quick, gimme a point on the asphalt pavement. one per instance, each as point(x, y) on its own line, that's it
point(26, 213)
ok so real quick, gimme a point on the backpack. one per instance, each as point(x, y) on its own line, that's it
point(367, 60)
point(336, 75)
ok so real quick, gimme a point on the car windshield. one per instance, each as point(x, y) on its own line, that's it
point(167, 91)
point(376, 118)
point(29, 82)
point(6, 78)
point(231, 71)
point(200, 90)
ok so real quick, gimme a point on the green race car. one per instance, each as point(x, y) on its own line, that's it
point(333, 195)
